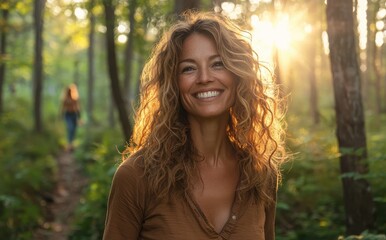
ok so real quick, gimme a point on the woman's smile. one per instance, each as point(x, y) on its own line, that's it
point(207, 94)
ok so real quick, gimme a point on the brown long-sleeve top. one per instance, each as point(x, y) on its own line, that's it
point(132, 214)
point(70, 105)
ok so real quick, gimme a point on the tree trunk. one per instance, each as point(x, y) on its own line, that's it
point(313, 44)
point(365, 59)
point(111, 116)
point(381, 62)
point(376, 61)
point(76, 72)
point(275, 54)
point(129, 54)
point(378, 75)
point(113, 70)
point(351, 135)
point(38, 63)
point(181, 6)
point(91, 64)
point(312, 78)
point(3, 52)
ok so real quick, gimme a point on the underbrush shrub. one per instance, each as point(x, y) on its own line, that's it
point(29, 171)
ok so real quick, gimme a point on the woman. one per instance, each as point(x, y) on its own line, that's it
point(71, 112)
point(203, 160)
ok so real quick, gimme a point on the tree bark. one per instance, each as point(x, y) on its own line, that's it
point(38, 63)
point(3, 53)
point(113, 70)
point(351, 135)
point(91, 64)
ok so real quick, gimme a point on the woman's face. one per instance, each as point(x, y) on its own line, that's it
point(207, 88)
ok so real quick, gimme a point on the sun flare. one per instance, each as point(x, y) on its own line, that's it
point(266, 35)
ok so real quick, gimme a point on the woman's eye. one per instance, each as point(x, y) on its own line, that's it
point(187, 69)
point(218, 64)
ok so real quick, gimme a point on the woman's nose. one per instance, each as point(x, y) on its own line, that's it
point(204, 76)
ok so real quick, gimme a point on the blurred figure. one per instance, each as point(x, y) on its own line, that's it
point(70, 110)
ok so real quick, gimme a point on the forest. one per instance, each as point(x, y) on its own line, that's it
point(329, 58)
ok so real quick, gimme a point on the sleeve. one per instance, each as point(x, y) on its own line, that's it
point(270, 214)
point(125, 210)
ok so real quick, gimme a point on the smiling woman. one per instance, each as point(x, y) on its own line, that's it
point(203, 162)
point(207, 88)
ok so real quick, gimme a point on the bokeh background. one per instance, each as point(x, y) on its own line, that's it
point(102, 45)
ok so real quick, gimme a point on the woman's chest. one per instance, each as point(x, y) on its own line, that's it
point(181, 218)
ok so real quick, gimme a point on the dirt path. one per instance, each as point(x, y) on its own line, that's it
point(65, 198)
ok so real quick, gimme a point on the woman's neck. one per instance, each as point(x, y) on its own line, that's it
point(210, 138)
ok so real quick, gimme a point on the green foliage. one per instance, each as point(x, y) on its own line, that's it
point(29, 169)
point(310, 198)
point(364, 236)
point(100, 157)
point(311, 186)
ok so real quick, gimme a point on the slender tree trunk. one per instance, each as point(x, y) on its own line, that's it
point(381, 62)
point(378, 75)
point(38, 63)
point(312, 78)
point(91, 64)
point(113, 70)
point(376, 60)
point(3, 53)
point(129, 54)
point(275, 54)
point(111, 116)
point(313, 45)
point(365, 59)
point(351, 135)
point(76, 72)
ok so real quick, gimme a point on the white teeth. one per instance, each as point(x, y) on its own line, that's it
point(208, 94)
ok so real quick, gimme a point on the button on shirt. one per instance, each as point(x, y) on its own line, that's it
point(132, 214)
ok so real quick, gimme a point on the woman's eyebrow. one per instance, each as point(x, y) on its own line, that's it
point(189, 60)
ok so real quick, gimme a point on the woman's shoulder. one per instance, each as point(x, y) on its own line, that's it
point(128, 169)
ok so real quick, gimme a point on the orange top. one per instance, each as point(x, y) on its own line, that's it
point(133, 214)
point(70, 105)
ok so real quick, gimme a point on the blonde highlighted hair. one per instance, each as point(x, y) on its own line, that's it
point(161, 141)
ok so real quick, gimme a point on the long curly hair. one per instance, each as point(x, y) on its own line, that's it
point(161, 141)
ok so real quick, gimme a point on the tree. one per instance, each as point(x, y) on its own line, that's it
point(38, 63)
point(351, 135)
point(113, 69)
point(312, 45)
point(3, 50)
point(129, 52)
point(376, 59)
point(91, 63)
point(275, 52)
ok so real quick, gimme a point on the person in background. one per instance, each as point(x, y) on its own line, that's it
point(203, 161)
point(70, 110)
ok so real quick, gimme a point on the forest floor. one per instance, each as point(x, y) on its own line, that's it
point(63, 200)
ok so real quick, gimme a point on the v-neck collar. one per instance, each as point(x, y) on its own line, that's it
point(227, 229)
